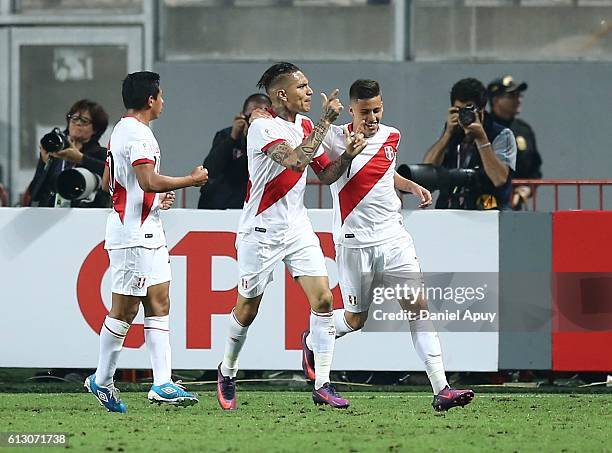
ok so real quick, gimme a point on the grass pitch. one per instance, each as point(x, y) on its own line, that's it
point(288, 421)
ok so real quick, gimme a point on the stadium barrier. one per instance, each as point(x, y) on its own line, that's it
point(56, 292)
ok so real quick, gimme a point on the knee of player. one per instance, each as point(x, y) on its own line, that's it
point(126, 313)
point(246, 314)
point(324, 302)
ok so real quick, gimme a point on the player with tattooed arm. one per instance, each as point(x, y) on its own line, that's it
point(274, 225)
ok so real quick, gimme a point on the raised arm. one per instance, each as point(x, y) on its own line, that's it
point(297, 159)
point(355, 143)
point(435, 154)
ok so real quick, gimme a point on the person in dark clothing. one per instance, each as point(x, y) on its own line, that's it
point(86, 122)
point(227, 162)
point(481, 144)
point(505, 98)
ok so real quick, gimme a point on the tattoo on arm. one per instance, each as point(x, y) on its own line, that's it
point(298, 159)
point(335, 169)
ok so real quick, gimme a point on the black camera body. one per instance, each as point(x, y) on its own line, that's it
point(55, 141)
point(467, 115)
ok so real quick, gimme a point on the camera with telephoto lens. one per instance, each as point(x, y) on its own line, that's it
point(467, 114)
point(55, 141)
point(78, 185)
point(439, 178)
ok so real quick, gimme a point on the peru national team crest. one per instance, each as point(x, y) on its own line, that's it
point(390, 152)
point(139, 282)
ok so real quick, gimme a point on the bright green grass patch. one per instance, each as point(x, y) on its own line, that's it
point(288, 421)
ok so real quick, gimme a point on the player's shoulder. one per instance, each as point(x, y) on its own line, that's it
point(133, 129)
point(338, 129)
point(388, 130)
point(303, 119)
point(263, 122)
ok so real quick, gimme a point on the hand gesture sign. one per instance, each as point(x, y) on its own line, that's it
point(355, 141)
point(331, 106)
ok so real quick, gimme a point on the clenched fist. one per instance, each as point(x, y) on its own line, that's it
point(199, 176)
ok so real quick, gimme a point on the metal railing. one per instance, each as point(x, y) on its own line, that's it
point(533, 184)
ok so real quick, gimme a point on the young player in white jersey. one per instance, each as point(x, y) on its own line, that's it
point(370, 237)
point(274, 226)
point(136, 244)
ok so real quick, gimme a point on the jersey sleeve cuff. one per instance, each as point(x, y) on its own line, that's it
point(267, 146)
point(320, 163)
point(143, 161)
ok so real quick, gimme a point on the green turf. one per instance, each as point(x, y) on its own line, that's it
point(287, 421)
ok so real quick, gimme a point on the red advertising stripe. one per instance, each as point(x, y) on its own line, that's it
point(362, 182)
point(582, 307)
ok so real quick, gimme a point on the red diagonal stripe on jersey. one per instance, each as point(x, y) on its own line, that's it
point(307, 127)
point(248, 191)
point(119, 197)
point(277, 188)
point(147, 203)
point(362, 182)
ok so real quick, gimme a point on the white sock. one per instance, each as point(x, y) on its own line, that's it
point(323, 335)
point(112, 334)
point(236, 337)
point(427, 345)
point(342, 327)
point(157, 339)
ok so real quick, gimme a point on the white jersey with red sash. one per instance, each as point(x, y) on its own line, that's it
point(274, 202)
point(366, 205)
point(134, 220)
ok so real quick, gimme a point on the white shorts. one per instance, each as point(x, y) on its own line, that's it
point(360, 268)
point(256, 261)
point(134, 269)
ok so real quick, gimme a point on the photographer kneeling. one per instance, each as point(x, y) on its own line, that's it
point(472, 140)
point(75, 147)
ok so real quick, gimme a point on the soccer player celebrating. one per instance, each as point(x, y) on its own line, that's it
point(136, 244)
point(370, 237)
point(274, 225)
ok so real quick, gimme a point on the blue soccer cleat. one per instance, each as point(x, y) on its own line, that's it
point(106, 396)
point(172, 393)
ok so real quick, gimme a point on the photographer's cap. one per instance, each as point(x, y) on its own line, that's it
point(504, 85)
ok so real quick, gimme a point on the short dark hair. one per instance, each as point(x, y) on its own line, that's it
point(260, 98)
point(364, 89)
point(274, 72)
point(137, 87)
point(99, 117)
point(469, 90)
